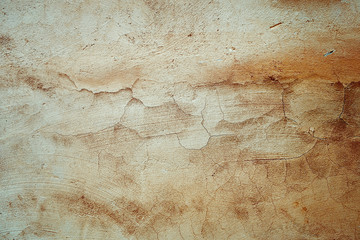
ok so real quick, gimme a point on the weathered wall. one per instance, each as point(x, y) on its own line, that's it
point(180, 119)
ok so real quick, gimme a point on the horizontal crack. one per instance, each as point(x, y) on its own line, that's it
point(281, 159)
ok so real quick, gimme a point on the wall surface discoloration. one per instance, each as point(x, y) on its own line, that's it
point(180, 120)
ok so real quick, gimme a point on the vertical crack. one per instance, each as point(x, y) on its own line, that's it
point(283, 104)
point(283, 107)
point(343, 107)
point(217, 94)
point(203, 120)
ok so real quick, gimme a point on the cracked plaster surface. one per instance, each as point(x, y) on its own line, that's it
point(180, 120)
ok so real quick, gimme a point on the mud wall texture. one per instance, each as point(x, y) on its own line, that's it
point(228, 119)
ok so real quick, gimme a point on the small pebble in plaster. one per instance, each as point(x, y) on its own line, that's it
point(328, 53)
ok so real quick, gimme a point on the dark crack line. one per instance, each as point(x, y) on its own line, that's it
point(203, 119)
point(312, 134)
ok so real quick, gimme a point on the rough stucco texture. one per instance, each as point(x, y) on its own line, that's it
point(180, 119)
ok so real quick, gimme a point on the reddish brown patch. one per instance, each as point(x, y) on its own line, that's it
point(241, 213)
point(5, 40)
point(301, 5)
point(42, 208)
point(134, 217)
point(130, 216)
point(302, 63)
point(36, 84)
